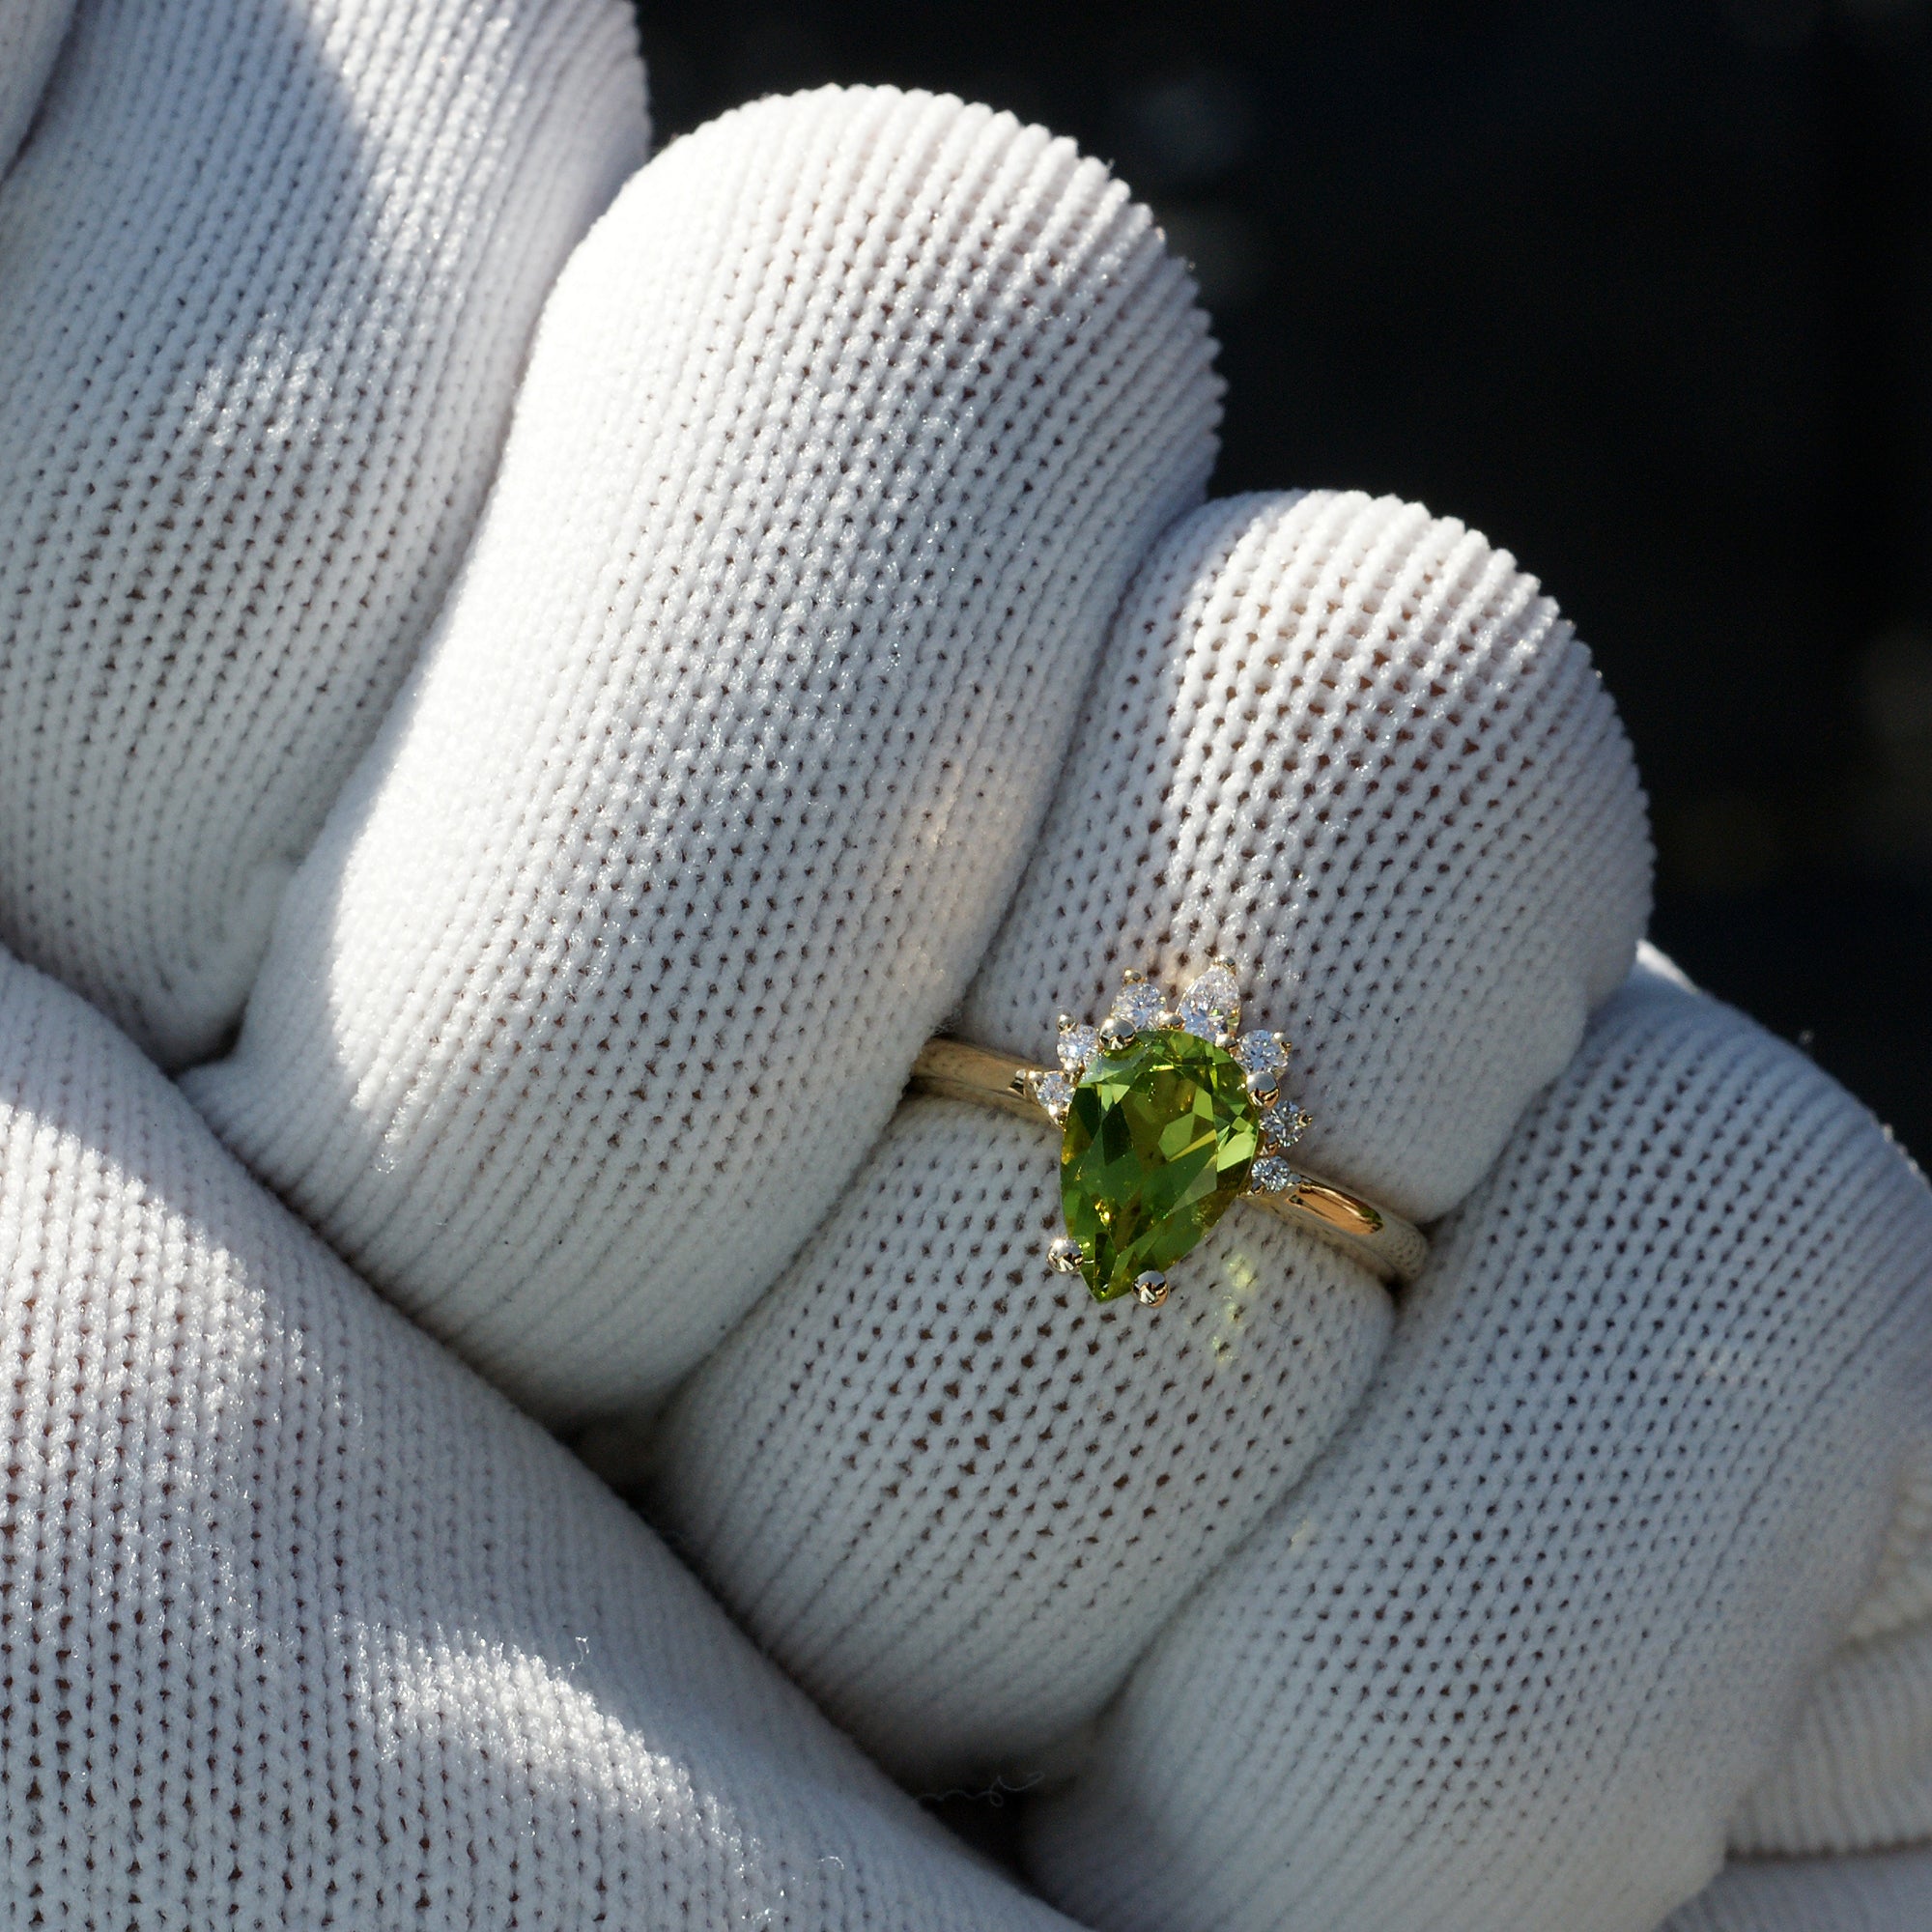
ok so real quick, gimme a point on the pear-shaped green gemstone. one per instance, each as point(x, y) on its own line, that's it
point(1159, 1139)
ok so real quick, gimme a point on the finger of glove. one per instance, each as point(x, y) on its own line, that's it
point(1518, 1650)
point(842, 435)
point(1387, 781)
point(1338, 739)
point(30, 37)
point(270, 273)
point(1887, 1891)
point(953, 1495)
point(1857, 1771)
point(314, 1628)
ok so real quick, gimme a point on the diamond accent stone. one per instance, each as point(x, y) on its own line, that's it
point(1271, 1175)
point(1053, 1092)
point(1261, 1053)
point(1077, 1046)
point(1213, 1004)
point(1284, 1124)
point(1138, 1004)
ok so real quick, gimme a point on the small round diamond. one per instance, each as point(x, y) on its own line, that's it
point(1077, 1046)
point(1271, 1175)
point(1053, 1092)
point(1261, 1053)
point(1138, 1004)
point(1213, 1004)
point(1285, 1124)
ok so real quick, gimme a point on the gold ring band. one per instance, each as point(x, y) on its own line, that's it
point(1395, 1249)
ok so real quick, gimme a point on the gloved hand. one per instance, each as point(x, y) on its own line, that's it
point(840, 646)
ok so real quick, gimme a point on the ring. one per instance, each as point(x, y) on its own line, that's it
point(1168, 1115)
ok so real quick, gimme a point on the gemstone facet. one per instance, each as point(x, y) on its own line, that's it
point(1261, 1053)
point(1077, 1046)
point(1272, 1175)
point(1053, 1092)
point(1157, 1143)
point(1136, 1004)
point(1213, 1004)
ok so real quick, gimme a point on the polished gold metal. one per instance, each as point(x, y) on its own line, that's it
point(1395, 1249)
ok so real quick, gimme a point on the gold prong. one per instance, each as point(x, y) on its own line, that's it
point(1151, 1287)
point(1132, 977)
point(1063, 1257)
point(1066, 1023)
point(1167, 1019)
point(1115, 1035)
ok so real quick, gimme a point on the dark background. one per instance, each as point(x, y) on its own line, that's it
point(1640, 290)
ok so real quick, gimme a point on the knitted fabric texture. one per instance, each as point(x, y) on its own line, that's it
point(1890, 1891)
point(1515, 1604)
point(1348, 745)
point(611, 963)
point(302, 1625)
point(1858, 1770)
point(30, 37)
point(1517, 1652)
point(954, 1496)
point(271, 271)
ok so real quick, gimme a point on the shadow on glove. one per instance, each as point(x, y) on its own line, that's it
point(269, 270)
point(303, 1623)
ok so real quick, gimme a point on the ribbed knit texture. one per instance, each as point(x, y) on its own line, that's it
point(954, 1495)
point(842, 437)
point(302, 1625)
point(1516, 1605)
point(1858, 1769)
point(1517, 1651)
point(30, 37)
point(1351, 746)
point(272, 267)
point(1890, 1891)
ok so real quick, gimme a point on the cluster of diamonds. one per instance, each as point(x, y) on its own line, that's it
point(1210, 1009)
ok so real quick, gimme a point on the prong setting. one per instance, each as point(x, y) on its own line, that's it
point(1078, 1045)
point(1052, 1092)
point(1143, 1036)
point(1272, 1175)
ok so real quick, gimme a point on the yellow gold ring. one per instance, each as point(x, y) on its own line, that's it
point(1168, 1115)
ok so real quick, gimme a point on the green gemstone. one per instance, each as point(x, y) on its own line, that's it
point(1159, 1139)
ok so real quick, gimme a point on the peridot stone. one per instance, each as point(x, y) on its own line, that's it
point(1159, 1138)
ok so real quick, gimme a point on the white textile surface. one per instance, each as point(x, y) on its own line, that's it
point(842, 435)
point(268, 276)
point(540, 681)
point(300, 1617)
point(957, 1515)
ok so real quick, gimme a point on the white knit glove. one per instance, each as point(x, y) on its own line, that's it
point(839, 647)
